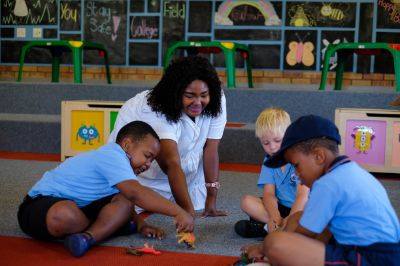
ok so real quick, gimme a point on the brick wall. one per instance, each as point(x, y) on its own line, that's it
point(153, 74)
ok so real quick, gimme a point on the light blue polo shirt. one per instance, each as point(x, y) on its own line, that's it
point(285, 182)
point(87, 177)
point(354, 205)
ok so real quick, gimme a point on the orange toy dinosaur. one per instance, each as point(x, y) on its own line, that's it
point(187, 238)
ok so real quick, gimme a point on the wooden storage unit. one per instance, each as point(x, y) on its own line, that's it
point(86, 125)
point(371, 137)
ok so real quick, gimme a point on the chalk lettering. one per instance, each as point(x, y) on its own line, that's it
point(245, 15)
point(142, 30)
point(174, 10)
point(68, 13)
point(102, 27)
point(93, 11)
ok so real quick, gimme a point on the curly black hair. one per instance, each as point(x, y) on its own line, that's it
point(166, 96)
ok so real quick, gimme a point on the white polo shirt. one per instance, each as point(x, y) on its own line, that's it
point(190, 138)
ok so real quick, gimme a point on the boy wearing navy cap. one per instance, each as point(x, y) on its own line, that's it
point(344, 197)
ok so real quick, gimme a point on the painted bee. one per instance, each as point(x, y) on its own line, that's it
point(333, 13)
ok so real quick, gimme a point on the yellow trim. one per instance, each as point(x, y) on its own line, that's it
point(76, 44)
point(228, 45)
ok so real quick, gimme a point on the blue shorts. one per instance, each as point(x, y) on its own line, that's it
point(375, 254)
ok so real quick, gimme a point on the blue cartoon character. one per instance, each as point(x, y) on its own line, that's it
point(88, 134)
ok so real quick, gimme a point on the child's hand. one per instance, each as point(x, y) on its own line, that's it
point(255, 251)
point(152, 231)
point(273, 226)
point(184, 222)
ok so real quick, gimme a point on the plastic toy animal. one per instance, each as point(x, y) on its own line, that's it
point(140, 251)
point(188, 238)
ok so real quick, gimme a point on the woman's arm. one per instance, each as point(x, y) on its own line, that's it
point(170, 162)
point(211, 174)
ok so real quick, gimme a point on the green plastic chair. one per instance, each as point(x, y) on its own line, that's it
point(228, 48)
point(56, 48)
point(344, 50)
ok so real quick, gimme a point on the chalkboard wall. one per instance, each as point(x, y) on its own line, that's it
point(282, 35)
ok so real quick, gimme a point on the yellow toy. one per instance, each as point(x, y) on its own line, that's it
point(187, 238)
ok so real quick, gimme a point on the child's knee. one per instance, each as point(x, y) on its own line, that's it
point(246, 201)
point(123, 202)
point(273, 245)
point(64, 216)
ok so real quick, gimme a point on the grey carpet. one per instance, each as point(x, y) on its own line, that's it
point(214, 235)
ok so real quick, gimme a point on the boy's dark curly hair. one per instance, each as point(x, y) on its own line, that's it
point(166, 96)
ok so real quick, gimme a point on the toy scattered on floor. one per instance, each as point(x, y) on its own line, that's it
point(145, 250)
point(243, 261)
point(188, 238)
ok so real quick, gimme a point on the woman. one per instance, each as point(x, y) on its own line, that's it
point(187, 110)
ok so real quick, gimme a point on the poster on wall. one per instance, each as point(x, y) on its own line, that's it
point(396, 145)
point(366, 141)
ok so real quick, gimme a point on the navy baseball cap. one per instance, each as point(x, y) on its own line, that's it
point(304, 128)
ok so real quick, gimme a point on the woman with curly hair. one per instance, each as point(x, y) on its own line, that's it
point(187, 110)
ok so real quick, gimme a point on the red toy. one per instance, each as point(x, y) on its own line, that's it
point(145, 250)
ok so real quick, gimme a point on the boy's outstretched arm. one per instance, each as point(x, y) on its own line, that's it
point(154, 202)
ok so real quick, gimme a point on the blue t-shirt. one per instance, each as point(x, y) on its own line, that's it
point(88, 176)
point(354, 205)
point(285, 182)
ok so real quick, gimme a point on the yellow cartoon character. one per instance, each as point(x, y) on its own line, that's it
point(363, 137)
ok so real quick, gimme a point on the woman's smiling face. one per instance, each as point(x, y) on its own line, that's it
point(195, 98)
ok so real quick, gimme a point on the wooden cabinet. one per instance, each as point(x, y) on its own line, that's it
point(86, 125)
point(371, 137)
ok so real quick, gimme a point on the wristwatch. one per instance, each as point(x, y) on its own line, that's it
point(216, 185)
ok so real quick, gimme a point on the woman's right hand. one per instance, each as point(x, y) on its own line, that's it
point(184, 222)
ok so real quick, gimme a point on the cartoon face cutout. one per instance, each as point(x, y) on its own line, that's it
point(363, 137)
point(88, 134)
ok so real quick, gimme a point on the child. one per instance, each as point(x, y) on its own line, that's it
point(91, 196)
point(282, 195)
point(344, 197)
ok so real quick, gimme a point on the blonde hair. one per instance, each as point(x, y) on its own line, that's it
point(272, 120)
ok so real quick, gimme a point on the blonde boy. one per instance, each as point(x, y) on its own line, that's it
point(282, 193)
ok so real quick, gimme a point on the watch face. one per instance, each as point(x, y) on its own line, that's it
point(214, 184)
